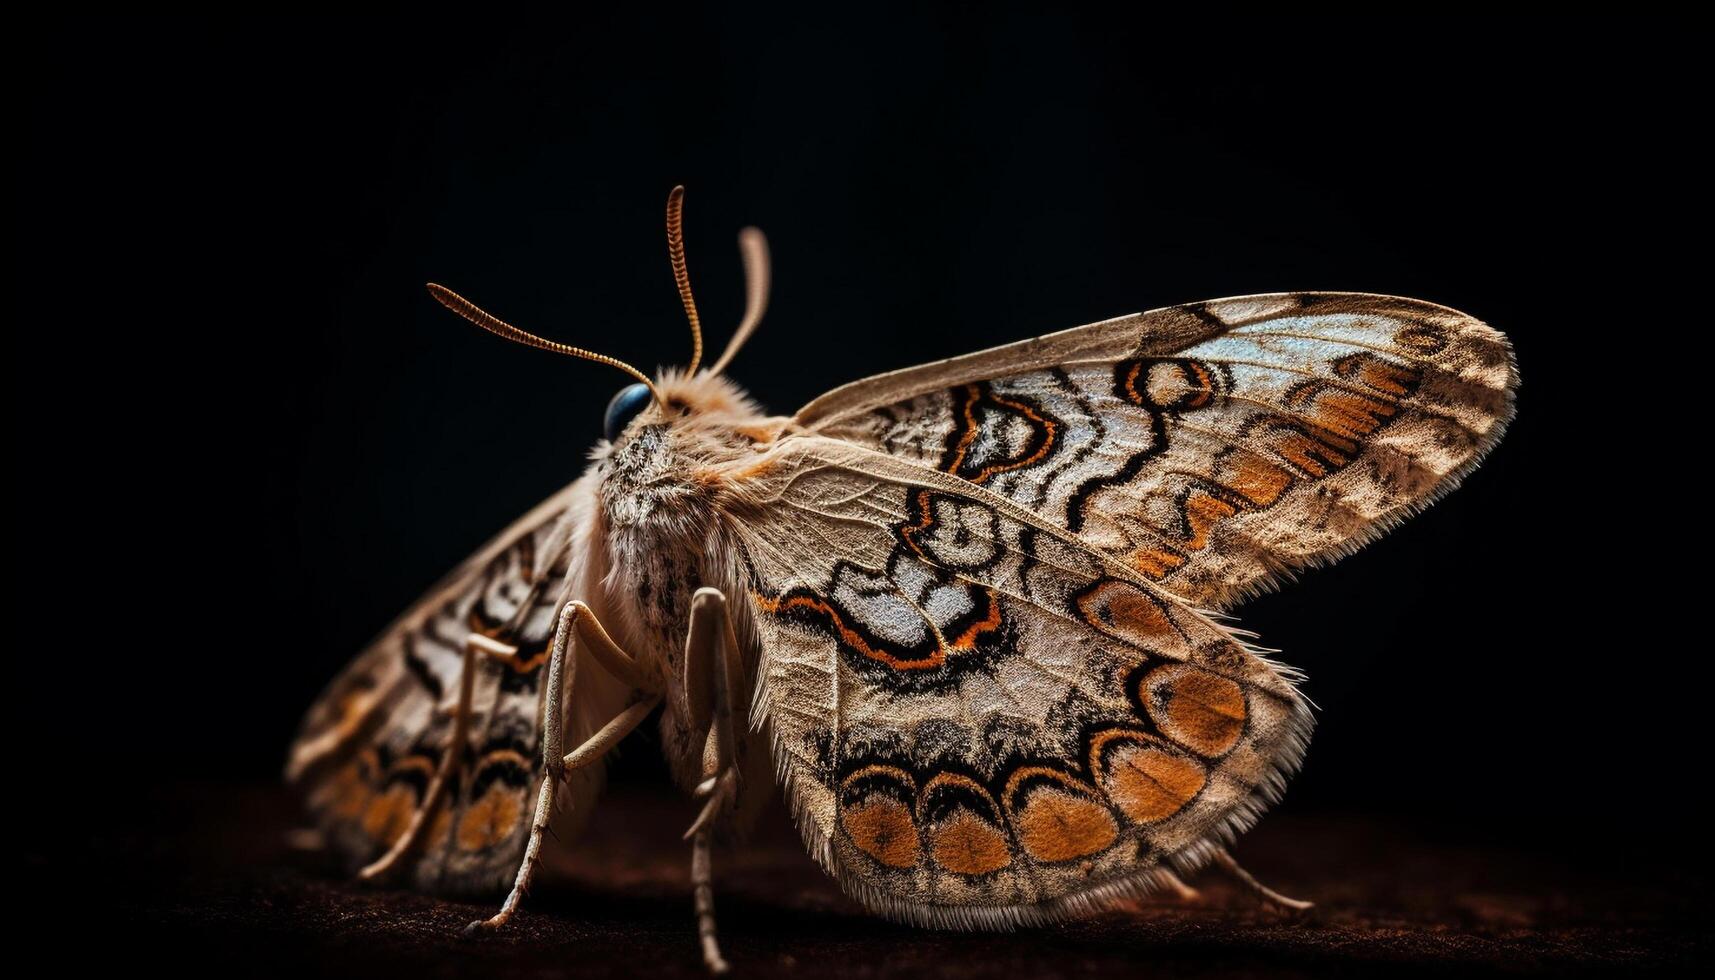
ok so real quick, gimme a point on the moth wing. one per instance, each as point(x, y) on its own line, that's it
point(977, 718)
point(1211, 446)
point(371, 743)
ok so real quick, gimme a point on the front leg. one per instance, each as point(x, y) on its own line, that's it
point(577, 620)
point(714, 680)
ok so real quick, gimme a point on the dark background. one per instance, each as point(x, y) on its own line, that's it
point(246, 438)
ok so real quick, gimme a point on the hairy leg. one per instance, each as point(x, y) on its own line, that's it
point(703, 891)
point(714, 679)
point(575, 618)
point(1179, 888)
point(1267, 894)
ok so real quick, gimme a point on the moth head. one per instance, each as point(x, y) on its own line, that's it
point(674, 393)
point(690, 397)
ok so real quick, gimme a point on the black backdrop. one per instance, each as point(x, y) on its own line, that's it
point(245, 437)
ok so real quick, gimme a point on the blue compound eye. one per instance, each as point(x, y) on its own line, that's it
point(624, 407)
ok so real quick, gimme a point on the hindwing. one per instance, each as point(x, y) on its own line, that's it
point(371, 744)
point(978, 718)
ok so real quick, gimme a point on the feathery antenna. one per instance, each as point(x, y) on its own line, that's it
point(493, 324)
point(753, 246)
point(681, 277)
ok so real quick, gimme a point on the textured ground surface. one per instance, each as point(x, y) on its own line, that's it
point(209, 885)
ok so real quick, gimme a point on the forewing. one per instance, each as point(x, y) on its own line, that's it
point(372, 742)
point(1209, 446)
point(979, 719)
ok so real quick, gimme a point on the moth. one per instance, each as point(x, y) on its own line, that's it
point(966, 616)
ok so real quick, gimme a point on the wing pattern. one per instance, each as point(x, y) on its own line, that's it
point(979, 720)
point(1210, 446)
point(372, 743)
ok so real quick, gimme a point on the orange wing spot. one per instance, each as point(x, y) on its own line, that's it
point(969, 845)
point(1253, 485)
point(439, 828)
point(1121, 609)
point(1373, 372)
point(1149, 785)
point(1259, 482)
point(1352, 416)
point(389, 814)
point(1156, 562)
point(1313, 457)
point(1337, 421)
point(490, 820)
point(1201, 711)
point(1203, 511)
point(882, 828)
point(348, 793)
point(1059, 826)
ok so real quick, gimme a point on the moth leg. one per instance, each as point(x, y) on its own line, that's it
point(713, 679)
point(451, 760)
point(1173, 887)
point(606, 652)
point(591, 751)
point(574, 617)
point(1179, 888)
point(1267, 894)
point(702, 887)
